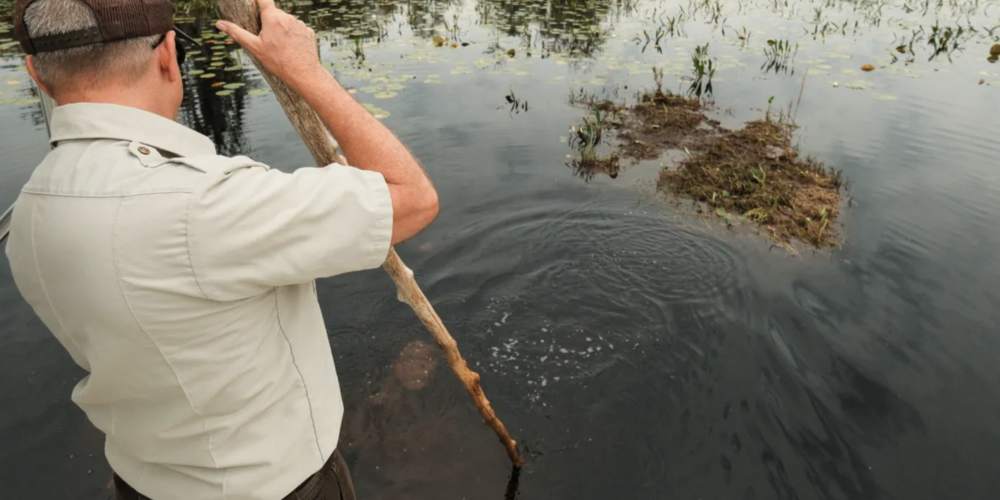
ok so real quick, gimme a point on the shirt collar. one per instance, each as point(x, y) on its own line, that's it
point(111, 121)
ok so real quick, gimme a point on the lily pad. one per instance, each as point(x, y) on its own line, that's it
point(223, 93)
point(432, 82)
point(395, 86)
point(385, 95)
point(380, 79)
point(196, 72)
point(371, 89)
point(234, 86)
point(208, 75)
point(858, 85)
point(259, 92)
point(885, 97)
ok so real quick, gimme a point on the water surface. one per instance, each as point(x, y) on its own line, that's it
point(635, 350)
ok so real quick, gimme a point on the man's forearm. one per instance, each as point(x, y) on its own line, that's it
point(366, 142)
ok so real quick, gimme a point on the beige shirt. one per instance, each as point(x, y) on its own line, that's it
point(182, 281)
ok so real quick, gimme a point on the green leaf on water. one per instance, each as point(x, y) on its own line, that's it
point(216, 64)
point(200, 59)
point(371, 89)
point(403, 78)
point(885, 97)
point(432, 82)
point(721, 212)
point(208, 75)
point(385, 95)
point(858, 85)
point(233, 68)
point(395, 86)
point(196, 72)
point(259, 92)
point(223, 93)
point(380, 79)
point(234, 86)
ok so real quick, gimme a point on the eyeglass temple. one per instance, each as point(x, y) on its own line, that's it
point(185, 36)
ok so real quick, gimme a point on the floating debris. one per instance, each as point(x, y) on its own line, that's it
point(867, 67)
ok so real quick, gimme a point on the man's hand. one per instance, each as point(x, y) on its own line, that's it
point(285, 45)
point(287, 48)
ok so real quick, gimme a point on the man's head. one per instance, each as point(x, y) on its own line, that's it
point(102, 50)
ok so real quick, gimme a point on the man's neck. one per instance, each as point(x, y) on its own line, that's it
point(122, 97)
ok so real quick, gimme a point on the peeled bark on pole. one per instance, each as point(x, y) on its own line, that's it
point(324, 151)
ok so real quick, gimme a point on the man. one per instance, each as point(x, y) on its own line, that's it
point(182, 281)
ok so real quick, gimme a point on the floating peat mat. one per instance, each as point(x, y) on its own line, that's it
point(753, 174)
point(757, 174)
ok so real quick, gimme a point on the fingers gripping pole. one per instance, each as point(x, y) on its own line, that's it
point(324, 151)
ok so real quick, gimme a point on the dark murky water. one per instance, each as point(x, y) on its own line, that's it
point(635, 350)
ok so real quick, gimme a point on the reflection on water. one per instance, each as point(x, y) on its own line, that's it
point(634, 349)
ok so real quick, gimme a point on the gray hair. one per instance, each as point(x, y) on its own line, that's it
point(89, 65)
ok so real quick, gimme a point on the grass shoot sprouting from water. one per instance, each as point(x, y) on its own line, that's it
point(779, 54)
point(703, 71)
point(655, 39)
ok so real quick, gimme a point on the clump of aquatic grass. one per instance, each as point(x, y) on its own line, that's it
point(658, 79)
point(588, 135)
point(743, 35)
point(703, 70)
point(585, 139)
point(779, 54)
point(944, 40)
point(655, 39)
point(517, 104)
point(358, 50)
point(674, 26)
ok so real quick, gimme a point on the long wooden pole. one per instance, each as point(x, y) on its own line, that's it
point(324, 151)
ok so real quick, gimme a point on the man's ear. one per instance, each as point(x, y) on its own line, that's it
point(29, 62)
point(166, 58)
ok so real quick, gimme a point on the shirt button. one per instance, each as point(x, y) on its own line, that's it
point(144, 150)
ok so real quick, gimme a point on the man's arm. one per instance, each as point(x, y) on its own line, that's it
point(287, 48)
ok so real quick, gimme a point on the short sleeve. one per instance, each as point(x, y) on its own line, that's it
point(250, 229)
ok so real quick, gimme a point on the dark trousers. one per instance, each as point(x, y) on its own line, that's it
point(332, 482)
